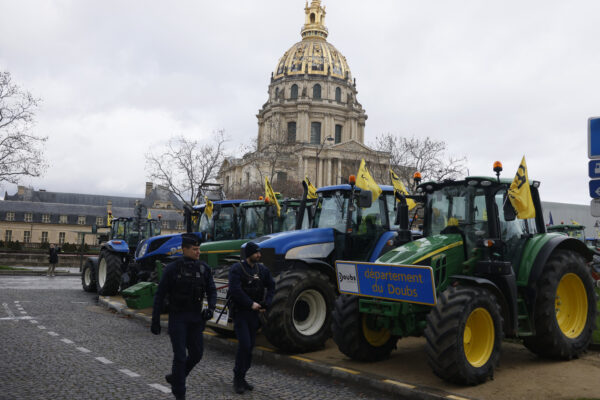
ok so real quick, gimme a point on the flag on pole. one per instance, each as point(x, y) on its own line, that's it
point(149, 215)
point(399, 187)
point(551, 221)
point(574, 222)
point(270, 196)
point(208, 208)
point(365, 181)
point(519, 193)
point(194, 212)
point(312, 190)
point(109, 219)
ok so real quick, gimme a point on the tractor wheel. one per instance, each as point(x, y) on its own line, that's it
point(464, 334)
point(353, 332)
point(300, 316)
point(565, 308)
point(109, 273)
point(88, 276)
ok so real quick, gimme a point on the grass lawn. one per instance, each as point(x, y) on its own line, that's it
point(5, 268)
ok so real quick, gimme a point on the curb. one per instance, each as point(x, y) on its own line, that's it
point(404, 389)
point(36, 273)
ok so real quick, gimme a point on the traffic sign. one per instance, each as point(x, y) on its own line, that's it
point(594, 169)
point(595, 207)
point(594, 138)
point(595, 188)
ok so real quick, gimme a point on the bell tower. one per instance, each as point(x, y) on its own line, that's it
point(314, 24)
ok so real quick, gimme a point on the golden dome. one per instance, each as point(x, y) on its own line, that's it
point(313, 55)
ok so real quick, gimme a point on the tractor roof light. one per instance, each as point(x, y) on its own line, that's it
point(498, 169)
point(260, 198)
point(417, 177)
point(472, 183)
point(488, 243)
point(352, 180)
point(486, 183)
point(159, 216)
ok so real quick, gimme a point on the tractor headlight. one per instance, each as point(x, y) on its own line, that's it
point(143, 250)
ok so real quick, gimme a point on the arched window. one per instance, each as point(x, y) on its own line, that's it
point(338, 95)
point(294, 91)
point(291, 132)
point(317, 92)
point(338, 134)
point(276, 93)
point(315, 133)
point(312, 18)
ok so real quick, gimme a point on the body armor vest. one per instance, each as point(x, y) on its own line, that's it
point(252, 284)
point(188, 290)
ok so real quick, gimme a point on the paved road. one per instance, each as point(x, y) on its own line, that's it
point(57, 343)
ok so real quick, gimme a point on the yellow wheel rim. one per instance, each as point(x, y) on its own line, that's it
point(571, 305)
point(478, 337)
point(375, 338)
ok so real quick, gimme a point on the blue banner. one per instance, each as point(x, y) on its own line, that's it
point(409, 283)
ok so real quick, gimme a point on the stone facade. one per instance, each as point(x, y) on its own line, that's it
point(312, 123)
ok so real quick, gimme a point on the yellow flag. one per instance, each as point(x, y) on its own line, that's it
point(195, 213)
point(399, 187)
point(312, 190)
point(365, 181)
point(208, 208)
point(149, 215)
point(574, 222)
point(520, 193)
point(109, 219)
point(270, 195)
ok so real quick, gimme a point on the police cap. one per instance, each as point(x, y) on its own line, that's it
point(189, 239)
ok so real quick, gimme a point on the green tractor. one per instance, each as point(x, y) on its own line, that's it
point(476, 276)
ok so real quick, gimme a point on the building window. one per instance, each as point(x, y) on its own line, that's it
point(338, 95)
point(99, 221)
point(46, 218)
point(27, 237)
point(338, 134)
point(165, 225)
point(63, 219)
point(28, 217)
point(179, 226)
point(247, 178)
point(294, 92)
point(291, 132)
point(10, 216)
point(44, 237)
point(61, 238)
point(81, 220)
point(281, 177)
point(80, 237)
point(8, 236)
point(317, 92)
point(315, 133)
point(276, 93)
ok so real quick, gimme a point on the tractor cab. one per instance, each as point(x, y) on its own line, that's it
point(572, 230)
point(223, 223)
point(259, 217)
point(132, 230)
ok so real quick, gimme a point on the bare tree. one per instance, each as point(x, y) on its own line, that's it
point(20, 151)
point(185, 165)
point(425, 155)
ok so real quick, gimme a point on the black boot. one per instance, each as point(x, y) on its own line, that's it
point(247, 386)
point(238, 386)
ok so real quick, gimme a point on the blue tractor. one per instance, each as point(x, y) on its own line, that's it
point(347, 225)
point(114, 267)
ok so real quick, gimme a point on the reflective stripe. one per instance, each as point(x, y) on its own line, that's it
point(433, 253)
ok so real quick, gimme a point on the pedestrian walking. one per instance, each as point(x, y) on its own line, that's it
point(251, 290)
point(185, 282)
point(52, 259)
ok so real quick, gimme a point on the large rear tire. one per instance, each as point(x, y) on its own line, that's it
point(299, 319)
point(88, 275)
point(565, 308)
point(464, 334)
point(355, 333)
point(109, 273)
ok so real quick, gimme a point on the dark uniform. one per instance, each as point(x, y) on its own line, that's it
point(185, 282)
point(247, 285)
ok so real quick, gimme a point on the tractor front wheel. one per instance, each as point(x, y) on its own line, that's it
point(565, 308)
point(356, 335)
point(464, 334)
point(88, 275)
point(300, 316)
point(109, 273)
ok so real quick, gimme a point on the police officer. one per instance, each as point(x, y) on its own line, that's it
point(251, 290)
point(185, 281)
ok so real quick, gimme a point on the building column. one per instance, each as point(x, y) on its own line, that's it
point(320, 174)
point(328, 181)
point(304, 168)
point(339, 171)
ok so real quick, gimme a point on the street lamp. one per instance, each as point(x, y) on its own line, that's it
point(319, 150)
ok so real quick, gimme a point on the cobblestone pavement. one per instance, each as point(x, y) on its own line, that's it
point(59, 344)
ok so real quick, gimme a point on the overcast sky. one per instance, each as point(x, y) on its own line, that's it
point(495, 80)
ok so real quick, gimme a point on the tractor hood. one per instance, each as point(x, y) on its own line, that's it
point(222, 246)
point(283, 242)
point(164, 245)
point(420, 251)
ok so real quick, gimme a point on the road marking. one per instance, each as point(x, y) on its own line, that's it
point(8, 311)
point(23, 312)
point(33, 321)
point(265, 348)
point(41, 327)
point(83, 350)
point(302, 359)
point(350, 371)
point(129, 373)
point(80, 302)
point(17, 301)
point(404, 385)
point(160, 387)
point(67, 341)
point(53, 333)
point(104, 360)
point(233, 340)
point(25, 317)
point(210, 333)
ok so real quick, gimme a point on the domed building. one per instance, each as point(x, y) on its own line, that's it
point(312, 123)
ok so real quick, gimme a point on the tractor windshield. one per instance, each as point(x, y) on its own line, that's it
point(457, 209)
point(254, 221)
point(332, 212)
point(120, 229)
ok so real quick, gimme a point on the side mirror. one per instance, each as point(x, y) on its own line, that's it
point(509, 211)
point(365, 199)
